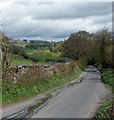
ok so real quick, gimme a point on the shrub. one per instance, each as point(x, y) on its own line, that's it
point(16, 50)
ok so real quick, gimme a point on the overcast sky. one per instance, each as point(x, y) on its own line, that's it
point(53, 20)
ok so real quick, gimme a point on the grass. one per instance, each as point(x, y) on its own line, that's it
point(107, 76)
point(29, 51)
point(12, 93)
point(20, 45)
point(106, 109)
point(41, 55)
point(18, 60)
point(44, 57)
point(42, 52)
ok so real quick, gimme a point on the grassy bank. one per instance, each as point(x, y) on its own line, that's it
point(107, 76)
point(106, 109)
point(11, 93)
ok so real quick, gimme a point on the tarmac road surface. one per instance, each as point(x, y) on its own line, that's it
point(79, 101)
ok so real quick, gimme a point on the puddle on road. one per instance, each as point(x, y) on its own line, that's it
point(41, 102)
point(33, 107)
point(72, 84)
point(44, 100)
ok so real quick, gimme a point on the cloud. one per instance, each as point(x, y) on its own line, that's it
point(70, 10)
point(53, 20)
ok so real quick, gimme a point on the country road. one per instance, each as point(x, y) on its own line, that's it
point(80, 100)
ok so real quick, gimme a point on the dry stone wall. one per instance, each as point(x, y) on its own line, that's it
point(25, 74)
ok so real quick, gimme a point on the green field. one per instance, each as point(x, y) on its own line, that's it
point(29, 51)
point(41, 55)
point(42, 58)
point(20, 45)
point(19, 60)
point(42, 52)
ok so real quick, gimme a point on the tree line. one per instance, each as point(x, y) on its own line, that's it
point(93, 48)
point(96, 48)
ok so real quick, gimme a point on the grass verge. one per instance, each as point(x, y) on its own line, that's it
point(107, 76)
point(106, 110)
point(11, 93)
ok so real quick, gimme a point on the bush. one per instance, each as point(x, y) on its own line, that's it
point(16, 50)
point(107, 76)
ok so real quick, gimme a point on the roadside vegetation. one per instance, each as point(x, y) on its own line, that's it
point(11, 93)
point(106, 110)
point(107, 76)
